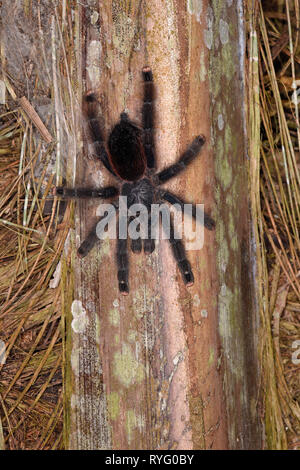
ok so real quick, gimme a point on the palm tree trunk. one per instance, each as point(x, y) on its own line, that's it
point(169, 366)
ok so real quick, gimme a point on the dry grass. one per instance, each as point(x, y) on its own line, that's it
point(275, 185)
point(31, 241)
point(31, 383)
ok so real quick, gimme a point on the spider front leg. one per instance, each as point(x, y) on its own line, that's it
point(91, 112)
point(148, 117)
point(185, 159)
point(180, 256)
point(83, 193)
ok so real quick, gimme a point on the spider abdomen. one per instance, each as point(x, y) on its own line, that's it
point(126, 152)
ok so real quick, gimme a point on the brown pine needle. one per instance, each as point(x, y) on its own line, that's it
point(34, 117)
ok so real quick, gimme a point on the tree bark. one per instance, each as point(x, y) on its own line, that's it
point(168, 367)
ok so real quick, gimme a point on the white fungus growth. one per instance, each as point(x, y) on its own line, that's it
point(93, 60)
point(223, 289)
point(196, 301)
point(76, 308)
point(224, 32)
point(94, 17)
point(195, 7)
point(220, 122)
point(208, 38)
point(208, 33)
point(80, 318)
point(204, 313)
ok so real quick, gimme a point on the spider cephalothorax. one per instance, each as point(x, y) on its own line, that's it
point(130, 157)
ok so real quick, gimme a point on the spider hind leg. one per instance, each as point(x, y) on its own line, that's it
point(208, 221)
point(122, 262)
point(136, 245)
point(122, 259)
point(148, 242)
point(180, 257)
point(88, 242)
point(149, 246)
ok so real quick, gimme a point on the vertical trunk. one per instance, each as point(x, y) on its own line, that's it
point(167, 366)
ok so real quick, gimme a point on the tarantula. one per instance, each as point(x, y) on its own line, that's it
point(130, 157)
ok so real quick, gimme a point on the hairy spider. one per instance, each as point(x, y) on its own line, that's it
point(130, 157)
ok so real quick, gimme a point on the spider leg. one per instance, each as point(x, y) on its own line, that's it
point(148, 117)
point(149, 243)
point(92, 237)
point(123, 265)
point(180, 257)
point(185, 159)
point(136, 244)
point(89, 242)
point(209, 223)
point(82, 193)
point(95, 131)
